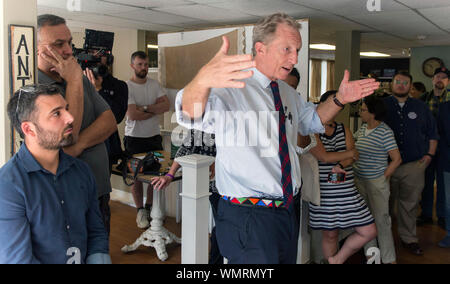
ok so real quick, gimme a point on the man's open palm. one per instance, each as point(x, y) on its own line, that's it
point(351, 91)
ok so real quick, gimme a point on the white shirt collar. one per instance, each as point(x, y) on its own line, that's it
point(260, 78)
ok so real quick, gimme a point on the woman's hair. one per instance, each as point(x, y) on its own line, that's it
point(375, 105)
point(419, 86)
point(326, 95)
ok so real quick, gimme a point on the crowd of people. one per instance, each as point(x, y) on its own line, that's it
point(55, 192)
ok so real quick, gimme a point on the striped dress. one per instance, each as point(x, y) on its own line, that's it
point(341, 206)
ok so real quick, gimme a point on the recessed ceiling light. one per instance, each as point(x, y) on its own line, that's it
point(374, 54)
point(322, 46)
point(332, 47)
point(152, 46)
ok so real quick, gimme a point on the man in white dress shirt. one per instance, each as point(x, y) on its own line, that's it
point(256, 216)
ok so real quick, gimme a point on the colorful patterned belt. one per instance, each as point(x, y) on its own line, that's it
point(254, 201)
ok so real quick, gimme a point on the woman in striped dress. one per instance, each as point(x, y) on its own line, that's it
point(341, 206)
point(375, 143)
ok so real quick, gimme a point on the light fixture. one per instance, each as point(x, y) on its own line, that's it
point(421, 37)
point(374, 54)
point(152, 46)
point(322, 46)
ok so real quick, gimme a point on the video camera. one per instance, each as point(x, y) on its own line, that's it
point(97, 44)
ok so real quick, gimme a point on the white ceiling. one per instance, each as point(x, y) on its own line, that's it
point(392, 30)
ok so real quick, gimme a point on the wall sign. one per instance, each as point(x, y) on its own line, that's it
point(21, 65)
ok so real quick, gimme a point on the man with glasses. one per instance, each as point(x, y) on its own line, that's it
point(416, 135)
point(48, 200)
point(434, 99)
point(93, 121)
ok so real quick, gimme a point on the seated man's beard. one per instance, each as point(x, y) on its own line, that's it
point(52, 141)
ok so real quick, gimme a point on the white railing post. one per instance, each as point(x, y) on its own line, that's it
point(195, 210)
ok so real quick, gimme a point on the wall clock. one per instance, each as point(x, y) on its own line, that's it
point(430, 65)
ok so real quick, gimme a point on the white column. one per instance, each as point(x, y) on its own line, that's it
point(195, 213)
point(17, 12)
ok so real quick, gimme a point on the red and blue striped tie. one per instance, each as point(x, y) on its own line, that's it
point(286, 179)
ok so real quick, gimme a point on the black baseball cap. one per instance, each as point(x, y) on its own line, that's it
point(442, 70)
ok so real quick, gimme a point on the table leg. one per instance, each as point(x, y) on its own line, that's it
point(156, 236)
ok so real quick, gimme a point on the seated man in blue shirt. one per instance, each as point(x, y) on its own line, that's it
point(48, 200)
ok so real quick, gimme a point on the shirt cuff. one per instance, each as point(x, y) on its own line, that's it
point(311, 124)
point(202, 123)
point(99, 258)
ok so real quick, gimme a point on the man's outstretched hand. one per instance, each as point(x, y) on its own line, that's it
point(224, 71)
point(351, 91)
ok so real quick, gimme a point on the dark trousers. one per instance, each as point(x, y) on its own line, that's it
point(257, 235)
point(137, 145)
point(215, 257)
point(105, 211)
point(432, 173)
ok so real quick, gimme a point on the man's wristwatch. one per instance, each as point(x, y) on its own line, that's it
point(337, 102)
point(429, 155)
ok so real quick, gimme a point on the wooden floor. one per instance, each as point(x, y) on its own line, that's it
point(124, 232)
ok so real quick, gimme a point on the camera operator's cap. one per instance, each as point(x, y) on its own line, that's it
point(442, 70)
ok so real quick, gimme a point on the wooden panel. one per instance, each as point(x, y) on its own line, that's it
point(182, 63)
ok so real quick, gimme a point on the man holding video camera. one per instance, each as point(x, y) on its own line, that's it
point(93, 121)
point(115, 93)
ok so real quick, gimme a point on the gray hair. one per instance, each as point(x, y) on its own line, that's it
point(48, 20)
point(266, 28)
point(22, 106)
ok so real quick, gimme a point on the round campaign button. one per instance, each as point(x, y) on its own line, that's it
point(412, 115)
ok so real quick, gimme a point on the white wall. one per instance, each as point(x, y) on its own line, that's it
point(186, 38)
point(11, 12)
point(420, 54)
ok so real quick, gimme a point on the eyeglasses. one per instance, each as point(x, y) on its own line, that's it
point(36, 89)
point(404, 83)
point(18, 101)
